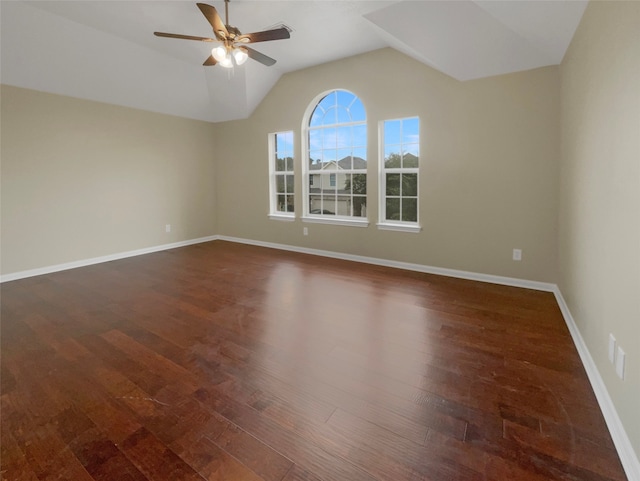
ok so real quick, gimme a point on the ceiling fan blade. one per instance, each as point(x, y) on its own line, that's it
point(260, 57)
point(214, 19)
point(210, 61)
point(184, 37)
point(275, 34)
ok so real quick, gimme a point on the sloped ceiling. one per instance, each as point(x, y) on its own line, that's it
point(106, 51)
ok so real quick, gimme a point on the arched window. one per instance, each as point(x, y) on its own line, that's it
point(335, 159)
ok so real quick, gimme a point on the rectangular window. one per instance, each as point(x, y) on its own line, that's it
point(281, 185)
point(399, 163)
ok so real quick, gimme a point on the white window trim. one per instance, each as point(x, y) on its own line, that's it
point(274, 214)
point(283, 216)
point(304, 146)
point(399, 227)
point(336, 220)
point(383, 223)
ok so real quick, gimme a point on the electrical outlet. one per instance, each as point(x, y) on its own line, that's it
point(620, 355)
point(167, 228)
point(517, 254)
point(612, 349)
point(305, 231)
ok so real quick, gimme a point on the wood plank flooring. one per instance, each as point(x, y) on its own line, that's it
point(223, 361)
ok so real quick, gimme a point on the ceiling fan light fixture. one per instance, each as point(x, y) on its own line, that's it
point(219, 53)
point(226, 62)
point(240, 55)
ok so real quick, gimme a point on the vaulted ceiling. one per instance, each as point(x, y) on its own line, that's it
point(106, 50)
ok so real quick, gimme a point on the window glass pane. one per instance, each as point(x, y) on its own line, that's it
point(359, 183)
point(343, 137)
point(315, 204)
point(330, 116)
point(357, 111)
point(315, 160)
point(344, 159)
point(344, 205)
point(282, 203)
point(284, 142)
point(393, 184)
point(332, 180)
point(360, 159)
point(329, 138)
point(411, 149)
point(329, 159)
point(280, 184)
point(326, 182)
point(314, 183)
point(359, 135)
point(359, 206)
point(315, 139)
point(281, 164)
point(410, 158)
point(345, 183)
point(290, 183)
point(392, 159)
point(392, 132)
point(343, 115)
point(290, 163)
point(409, 210)
point(290, 203)
point(393, 209)
point(410, 131)
point(409, 184)
point(328, 205)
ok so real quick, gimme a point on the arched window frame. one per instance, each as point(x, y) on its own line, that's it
point(307, 216)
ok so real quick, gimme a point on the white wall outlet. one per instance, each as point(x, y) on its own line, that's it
point(612, 349)
point(167, 228)
point(305, 231)
point(517, 254)
point(620, 363)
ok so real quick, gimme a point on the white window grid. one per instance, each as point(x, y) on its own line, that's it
point(281, 175)
point(328, 145)
point(402, 148)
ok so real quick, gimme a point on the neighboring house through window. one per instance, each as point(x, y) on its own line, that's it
point(335, 163)
point(281, 185)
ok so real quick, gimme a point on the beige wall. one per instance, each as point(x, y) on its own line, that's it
point(500, 157)
point(599, 229)
point(82, 179)
point(490, 150)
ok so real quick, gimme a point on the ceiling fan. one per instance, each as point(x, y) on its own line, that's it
point(234, 43)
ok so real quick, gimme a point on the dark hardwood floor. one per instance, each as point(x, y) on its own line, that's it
point(223, 361)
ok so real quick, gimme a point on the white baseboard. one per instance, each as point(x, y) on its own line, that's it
point(474, 276)
point(97, 260)
point(628, 456)
point(622, 443)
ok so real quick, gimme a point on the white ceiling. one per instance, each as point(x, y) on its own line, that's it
point(106, 50)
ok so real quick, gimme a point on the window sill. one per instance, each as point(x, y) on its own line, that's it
point(283, 217)
point(399, 227)
point(336, 221)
